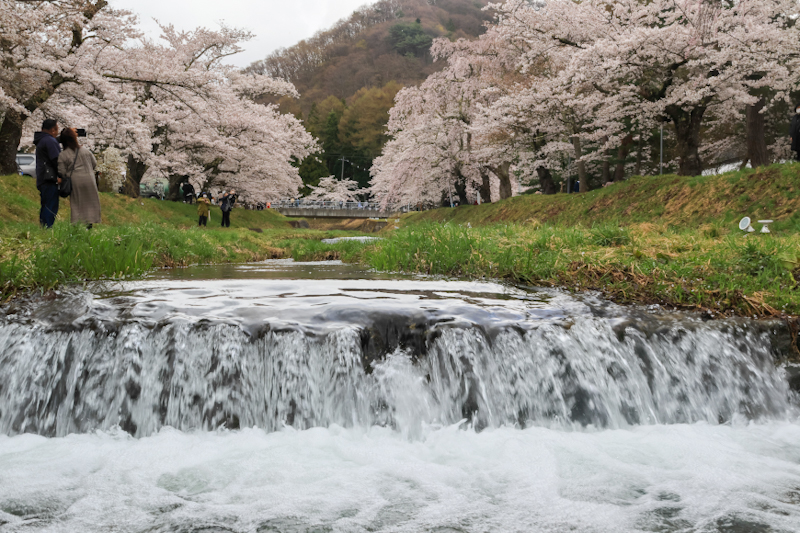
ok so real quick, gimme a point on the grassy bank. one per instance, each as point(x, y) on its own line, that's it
point(20, 204)
point(721, 201)
point(755, 275)
point(135, 237)
point(666, 240)
point(35, 259)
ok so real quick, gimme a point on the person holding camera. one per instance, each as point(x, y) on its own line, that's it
point(47, 179)
point(226, 205)
point(79, 165)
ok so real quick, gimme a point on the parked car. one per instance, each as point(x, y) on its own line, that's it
point(27, 164)
point(155, 190)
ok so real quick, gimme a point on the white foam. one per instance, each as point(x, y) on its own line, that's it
point(652, 478)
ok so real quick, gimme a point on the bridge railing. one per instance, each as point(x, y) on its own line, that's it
point(326, 204)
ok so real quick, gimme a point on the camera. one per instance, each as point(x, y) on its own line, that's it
point(81, 132)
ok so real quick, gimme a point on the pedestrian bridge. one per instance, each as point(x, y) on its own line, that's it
point(335, 210)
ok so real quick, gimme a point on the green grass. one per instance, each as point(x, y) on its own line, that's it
point(689, 202)
point(21, 204)
point(35, 259)
point(737, 274)
point(667, 240)
point(136, 236)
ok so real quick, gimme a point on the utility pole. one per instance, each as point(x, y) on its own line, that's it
point(343, 160)
point(661, 163)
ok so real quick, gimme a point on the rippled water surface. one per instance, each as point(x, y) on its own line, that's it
point(288, 397)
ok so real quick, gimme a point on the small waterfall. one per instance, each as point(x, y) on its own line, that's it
point(197, 375)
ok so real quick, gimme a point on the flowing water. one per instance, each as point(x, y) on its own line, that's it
point(322, 398)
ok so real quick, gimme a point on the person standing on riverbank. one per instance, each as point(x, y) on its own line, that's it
point(226, 205)
point(188, 192)
point(79, 165)
point(203, 210)
point(47, 180)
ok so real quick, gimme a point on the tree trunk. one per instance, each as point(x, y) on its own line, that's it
point(175, 188)
point(546, 180)
point(460, 186)
point(583, 186)
point(461, 190)
point(503, 173)
point(687, 132)
point(639, 149)
point(133, 178)
point(622, 157)
point(10, 136)
point(756, 137)
point(486, 187)
point(606, 164)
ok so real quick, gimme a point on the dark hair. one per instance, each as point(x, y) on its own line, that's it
point(49, 124)
point(69, 138)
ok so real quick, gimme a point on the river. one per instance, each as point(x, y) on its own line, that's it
point(321, 397)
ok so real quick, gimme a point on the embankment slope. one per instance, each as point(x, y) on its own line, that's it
point(20, 204)
point(772, 192)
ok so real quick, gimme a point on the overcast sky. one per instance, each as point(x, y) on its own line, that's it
point(275, 23)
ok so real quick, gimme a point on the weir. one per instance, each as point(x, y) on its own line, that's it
point(404, 355)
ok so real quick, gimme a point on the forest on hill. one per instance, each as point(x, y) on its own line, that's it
point(348, 76)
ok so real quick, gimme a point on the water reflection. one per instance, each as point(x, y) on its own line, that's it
point(276, 269)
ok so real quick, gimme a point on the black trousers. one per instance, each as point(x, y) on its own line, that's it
point(226, 219)
point(49, 198)
point(203, 221)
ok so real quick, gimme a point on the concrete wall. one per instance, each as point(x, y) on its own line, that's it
point(333, 213)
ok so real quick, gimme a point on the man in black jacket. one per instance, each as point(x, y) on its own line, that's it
point(47, 180)
point(188, 192)
point(794, 133)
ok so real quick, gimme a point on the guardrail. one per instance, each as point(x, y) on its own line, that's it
point(331, 209)
point(326, 204)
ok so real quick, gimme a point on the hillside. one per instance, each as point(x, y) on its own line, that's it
point(348, 76)
point(382, 42)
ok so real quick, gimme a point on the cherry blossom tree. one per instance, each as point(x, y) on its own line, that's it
point(334, 190)
point(432, 153)
point(587, 81)
point(665, 60)
point(46, 46)
point(179, 112)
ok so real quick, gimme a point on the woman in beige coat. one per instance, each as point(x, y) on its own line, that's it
point(84, 201)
